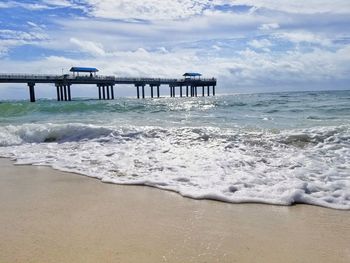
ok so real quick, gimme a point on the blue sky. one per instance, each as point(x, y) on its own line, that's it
point(250, 46)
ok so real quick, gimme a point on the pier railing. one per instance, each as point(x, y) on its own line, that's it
point(29, 76)
point(52, 77)
point(105, 84)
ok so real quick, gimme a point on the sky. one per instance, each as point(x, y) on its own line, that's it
point(248, 45)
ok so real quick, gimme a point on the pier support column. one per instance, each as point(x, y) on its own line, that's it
point(171, 91)
point(112, 92)
point(138, 91)
point(58, 92)
point(65, 92)
point(202, 91)
point(187, 91)
point(61, 93)
point(107, 88)
point(208, 91)
point(69, 92)
point(99, 92)
point(192, 91)
point(143, 91)
point(104, 92)
point(214, 90)
point(151, 91)
point(195, 91)
point(174, 92)
point(31, 92)
point(158, 91)
point(180, 91)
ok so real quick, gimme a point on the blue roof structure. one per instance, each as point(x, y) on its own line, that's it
point(192, 74)
point(81, 69)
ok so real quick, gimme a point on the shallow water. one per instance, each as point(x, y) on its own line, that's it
point(278, 148)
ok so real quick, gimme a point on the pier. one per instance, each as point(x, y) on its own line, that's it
point(191, 85)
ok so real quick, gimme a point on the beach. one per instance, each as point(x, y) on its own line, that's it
point(52, 216)
point(174, 131)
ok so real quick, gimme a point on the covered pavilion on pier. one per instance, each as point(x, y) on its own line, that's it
point(91, 71)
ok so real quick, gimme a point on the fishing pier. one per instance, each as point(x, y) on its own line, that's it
point(191, 85)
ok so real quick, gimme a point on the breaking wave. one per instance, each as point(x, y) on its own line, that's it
point(235, 164)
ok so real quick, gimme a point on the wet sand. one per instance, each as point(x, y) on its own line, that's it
point(51, 216)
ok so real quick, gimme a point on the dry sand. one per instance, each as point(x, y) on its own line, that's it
point(51, 216)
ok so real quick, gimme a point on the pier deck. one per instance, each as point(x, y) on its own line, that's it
point(186, 86)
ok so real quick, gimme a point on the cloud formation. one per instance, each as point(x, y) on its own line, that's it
point(175, 9)
point(146, 9)
point(249, 45)
point(300, 7)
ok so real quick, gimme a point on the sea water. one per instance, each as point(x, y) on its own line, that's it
point(277, 148)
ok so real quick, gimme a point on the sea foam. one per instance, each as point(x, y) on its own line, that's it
point(236, 164)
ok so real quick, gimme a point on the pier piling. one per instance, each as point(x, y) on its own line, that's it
point(65, 92)
point(112, 91)
point(103, 92)
point(61, 92)
point(31, 92)
point(58, 92)
point(63, 84)
point(138, 91)
point(99, 92)
point(107, 88)
point(69, 93)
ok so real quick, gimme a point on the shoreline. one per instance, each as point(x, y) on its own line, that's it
point(54, 216)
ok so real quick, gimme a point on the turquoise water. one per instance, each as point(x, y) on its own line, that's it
point(278, 148)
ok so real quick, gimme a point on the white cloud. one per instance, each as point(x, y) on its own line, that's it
point(246, 69)
point(269, 26)
point(260, 44)
point(13, 38)
point(317, 66)
point(150, 9)
point(40, 5)
point(176, 9)
point(5, 5)
point(183, 35)
point(21, 35)
point(58, 3)
point(303, 36)
point(299, 6)
point(116, 35)
point(32, 24)
point(92, 48)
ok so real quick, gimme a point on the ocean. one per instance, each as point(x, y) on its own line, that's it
point(273, 148)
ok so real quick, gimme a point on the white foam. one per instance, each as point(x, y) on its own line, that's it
point(233, 165)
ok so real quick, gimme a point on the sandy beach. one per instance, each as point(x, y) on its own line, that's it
point(52, 216)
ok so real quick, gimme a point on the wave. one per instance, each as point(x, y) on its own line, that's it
point(235, 165)
point(120, 105)
point(33, 133)
point(53, 107)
